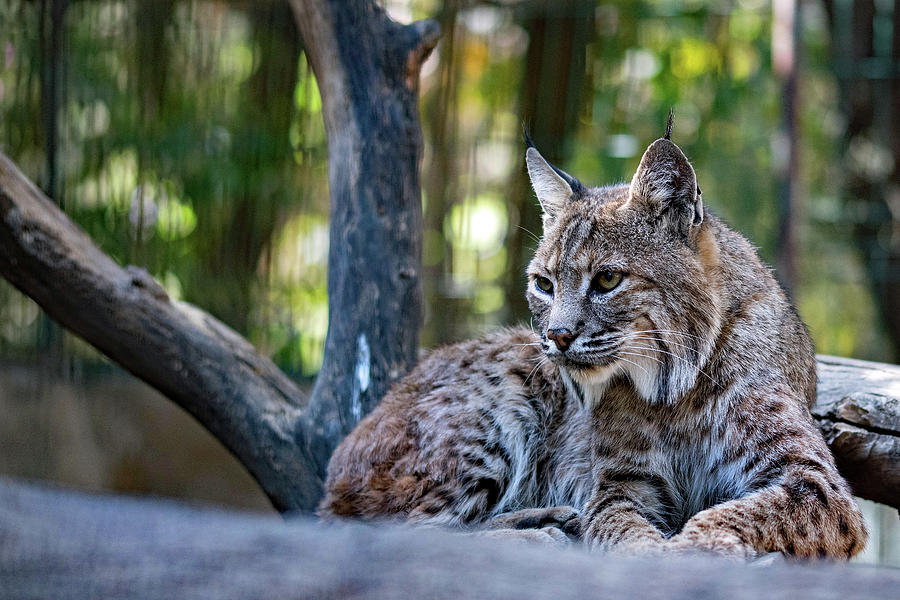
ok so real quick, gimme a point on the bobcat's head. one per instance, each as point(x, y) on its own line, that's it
point(620, 281)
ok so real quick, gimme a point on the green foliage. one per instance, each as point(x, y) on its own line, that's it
point(192, 142)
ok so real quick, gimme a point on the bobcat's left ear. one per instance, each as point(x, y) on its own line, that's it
point(554, 188)
point(665, 186)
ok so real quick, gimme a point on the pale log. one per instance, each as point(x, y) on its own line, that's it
point(64, 545)
point(858, 411)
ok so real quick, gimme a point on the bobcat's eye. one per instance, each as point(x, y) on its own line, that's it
point(606, 281)
point(544, 284)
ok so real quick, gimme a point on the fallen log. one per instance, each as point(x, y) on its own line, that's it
point(858, 411)
point(56, 544)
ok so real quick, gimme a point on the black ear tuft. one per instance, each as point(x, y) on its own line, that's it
point(670, 123)
point(577, 186)
point(529, 143)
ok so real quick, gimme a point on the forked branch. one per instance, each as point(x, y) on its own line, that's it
point(367, 67)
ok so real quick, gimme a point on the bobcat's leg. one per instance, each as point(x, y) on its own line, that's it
point(808, 514)
point(614, 521)
point(803, 508)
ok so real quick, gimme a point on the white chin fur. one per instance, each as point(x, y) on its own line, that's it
point(642, 372)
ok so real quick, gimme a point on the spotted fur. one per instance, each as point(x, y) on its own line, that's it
point(671, 410)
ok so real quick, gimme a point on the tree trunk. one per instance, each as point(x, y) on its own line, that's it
point(558, 38)
point(869, 81)
point(442, 185)
point(52, 65)
point(786, 47)
point(238, 234)
point(367, 67)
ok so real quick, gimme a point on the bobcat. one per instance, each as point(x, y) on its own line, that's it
point(663, 403)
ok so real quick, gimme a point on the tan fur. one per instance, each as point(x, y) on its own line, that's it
point(672, 412)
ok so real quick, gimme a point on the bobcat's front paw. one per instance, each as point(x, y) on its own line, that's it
point(635, 538)
point(719, 543)
point(553, 536)
point(565, 518)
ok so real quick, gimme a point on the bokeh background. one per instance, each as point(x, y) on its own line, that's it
point(186, 136)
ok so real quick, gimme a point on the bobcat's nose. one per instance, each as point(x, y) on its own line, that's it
point(562, 337)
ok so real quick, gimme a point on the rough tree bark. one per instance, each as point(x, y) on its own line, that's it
point(858, 411)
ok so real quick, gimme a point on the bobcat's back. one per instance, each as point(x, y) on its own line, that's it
point(477, 429)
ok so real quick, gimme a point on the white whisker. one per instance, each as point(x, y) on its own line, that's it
point(681, 333)
point(638, 336)
point(639, 354)
point(544, 360)
point(535, 237)
point(641, 367)
point(679, 357)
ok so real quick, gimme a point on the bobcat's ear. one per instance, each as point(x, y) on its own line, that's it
point(553, 187)
point(665, 187)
